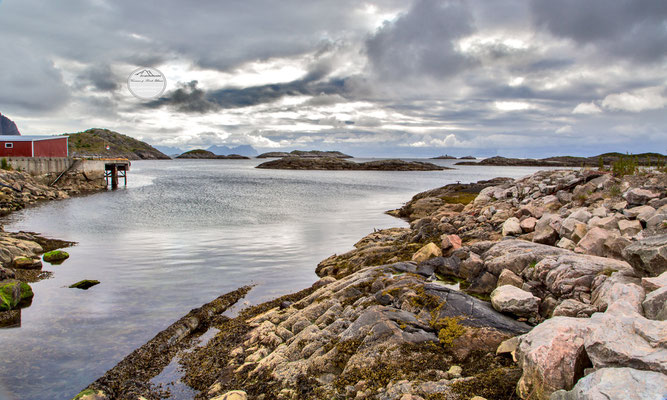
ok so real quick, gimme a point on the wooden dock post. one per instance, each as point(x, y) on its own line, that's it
point(115, 168)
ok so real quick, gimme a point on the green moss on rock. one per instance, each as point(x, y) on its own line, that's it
point(12, 293)
point(85, 284)
point(90, 394)
point(55, 256)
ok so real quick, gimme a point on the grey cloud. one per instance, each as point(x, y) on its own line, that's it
point(421, 42)
point(628, 28)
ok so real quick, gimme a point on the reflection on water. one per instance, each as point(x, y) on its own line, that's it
point(182, 233)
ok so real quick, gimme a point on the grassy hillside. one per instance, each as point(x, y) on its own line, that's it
point(93, 143)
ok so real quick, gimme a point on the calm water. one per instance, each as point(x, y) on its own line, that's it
point(182, 233)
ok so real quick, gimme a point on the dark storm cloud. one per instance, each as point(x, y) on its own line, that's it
point(191, 98)
point(422, 41)
point(100, 78)
point(632, 28)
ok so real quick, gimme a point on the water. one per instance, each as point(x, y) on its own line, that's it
point(182, 233)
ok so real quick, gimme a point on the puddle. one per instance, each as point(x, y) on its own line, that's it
point(170, 377)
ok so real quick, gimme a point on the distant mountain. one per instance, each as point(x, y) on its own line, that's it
point(94, 142)
point(244, 150)
point(7, 126)
point(169, 150)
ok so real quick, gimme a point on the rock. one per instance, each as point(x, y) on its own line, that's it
point(648, 256)
point(233, 395)
point(545, 235)
point(428, 251)
point(581, 214)
point(639, 196)
point(617, 287)
point(26, 263)
point(573, 308)
point(450, 242)
point(593, 242)
point(646, 214)
point(608, 223)
point(599, 212)
point(566, 243)
point(635, 211)
point(512, 227)
point(90, 394)
point(6, 273)
point(508, 277)
point(651, 284)
point(528, 224)
point(509, 346)
point(623, 337)
point(655, 304)
point(517, 255)
point(454, 372)
point(84, 284)
point(552, 356)
point(510, 299)
point(471, 266)
point(55, 256)
point(12, 293)
point(617, 383)
point(573, 229)
point(333, 163)
point(629, 228)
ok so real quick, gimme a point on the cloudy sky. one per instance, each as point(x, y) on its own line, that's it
point(380, 77)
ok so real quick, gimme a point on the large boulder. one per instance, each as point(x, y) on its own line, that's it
point(517, 255)
point(552, 356)
point(594, 240)
point(511, 299)
point(617, 383)
point(648, 256)
point(615, 288)
point(639, 196)
point(573, 308)
point(428, 251)
point(623, 337)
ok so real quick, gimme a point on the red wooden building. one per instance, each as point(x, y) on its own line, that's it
point(33, 146)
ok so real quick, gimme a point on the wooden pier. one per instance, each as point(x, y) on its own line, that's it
point(116, 168)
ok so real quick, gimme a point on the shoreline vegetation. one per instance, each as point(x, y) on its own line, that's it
point(21, 253)
point(551, 286)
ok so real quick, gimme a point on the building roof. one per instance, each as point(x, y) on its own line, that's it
point(34, 138)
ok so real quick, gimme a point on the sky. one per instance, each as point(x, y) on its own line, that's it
point(420, 78)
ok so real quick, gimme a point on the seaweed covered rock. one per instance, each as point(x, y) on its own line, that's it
point(13, 293)
point(55, 256)
point(84, 284)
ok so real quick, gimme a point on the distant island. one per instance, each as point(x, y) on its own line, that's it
point(448, 157)
point(645, 159)
point(333, 163)
point(94, 142)
point(205, 154)
point(304, 154)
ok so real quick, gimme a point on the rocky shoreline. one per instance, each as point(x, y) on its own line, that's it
point(337, 164)
point(552, 286)
point(21, 253)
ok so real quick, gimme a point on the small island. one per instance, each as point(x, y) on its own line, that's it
point(643, 159)
point(333, 163)
point(205, 154)
point(445, 157)
point(304, 154)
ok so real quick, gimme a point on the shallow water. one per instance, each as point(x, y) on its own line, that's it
point(182, 233)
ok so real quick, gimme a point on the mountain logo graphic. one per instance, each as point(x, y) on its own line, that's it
point(146, 83)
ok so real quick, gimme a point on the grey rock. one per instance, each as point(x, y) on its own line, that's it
point(623, 337)
point(617, 383)
point(511, 299)
point(471, 266)
point(651, 284)
point(580, 214)
point(629, 228)
point(655, 304)
point(512, 227)
point(648, 256)
point(617, 287)
point(517, 255)
point(574, 308)
point(508, 277)
point(635, 211)
point(639, 196)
